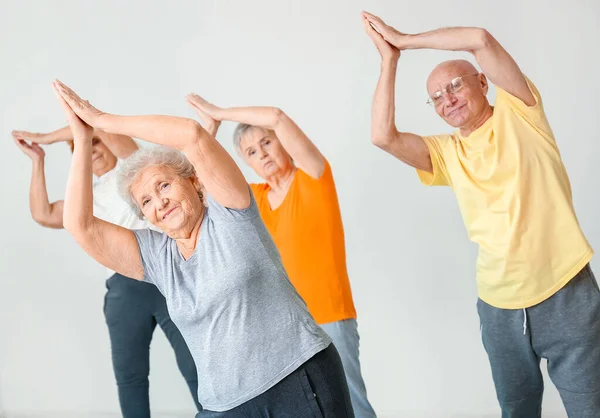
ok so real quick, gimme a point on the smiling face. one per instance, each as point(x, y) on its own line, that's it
point(168, 201)
point(262, 151)
point(463, 93)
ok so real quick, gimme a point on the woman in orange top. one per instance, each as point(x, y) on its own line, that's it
point(299, 205)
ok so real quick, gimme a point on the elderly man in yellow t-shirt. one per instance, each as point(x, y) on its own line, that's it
point(538, 297)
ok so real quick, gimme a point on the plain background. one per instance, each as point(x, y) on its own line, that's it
point(411, 264)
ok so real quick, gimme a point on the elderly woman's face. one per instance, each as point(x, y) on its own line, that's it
point(263, 152)
point(167, 200)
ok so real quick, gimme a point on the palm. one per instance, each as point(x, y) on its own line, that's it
point(69, 101)
point(386, 50)
point(33, 151)
point(203, 107)
point(81, 108)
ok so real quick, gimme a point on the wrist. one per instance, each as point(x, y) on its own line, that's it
point(37, 163)
point(389, 63)
point(103, 121)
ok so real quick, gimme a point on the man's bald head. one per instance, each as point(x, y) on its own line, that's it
point(446, 71)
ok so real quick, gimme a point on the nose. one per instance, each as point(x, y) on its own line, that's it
point(163, 202)
point(263, 154)
point(449, 99)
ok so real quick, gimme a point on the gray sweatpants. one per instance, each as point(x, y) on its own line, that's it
point(565, 330)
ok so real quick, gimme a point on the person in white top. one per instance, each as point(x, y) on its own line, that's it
point(132, 308)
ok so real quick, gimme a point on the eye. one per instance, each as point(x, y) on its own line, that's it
point(437, 96)
point(456, 84)
point(251, 153)
point(164, 186)
point(145, 201)
point(267, 142)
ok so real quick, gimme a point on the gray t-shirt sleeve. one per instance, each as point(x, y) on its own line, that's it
point(153, 246)
point(217, 212)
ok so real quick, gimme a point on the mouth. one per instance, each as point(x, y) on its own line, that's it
point(97, 157)
point(168, 213)
point(267, 163)
point(455, 111)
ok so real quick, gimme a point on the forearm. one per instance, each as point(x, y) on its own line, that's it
point(39, 205)
point(122, 146)
point(78, 210)
point(62, 134)
point(383, 124)
point(470, 39)
point(172, 131)
point(263, 116)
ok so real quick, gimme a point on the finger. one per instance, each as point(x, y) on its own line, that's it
point(373, 34)
point(71, 116)
point(61, 100)
point(75, 102)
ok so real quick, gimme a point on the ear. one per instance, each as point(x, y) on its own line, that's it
point(198, 186)
point(483, 82)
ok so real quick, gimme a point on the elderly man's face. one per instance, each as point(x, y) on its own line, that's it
point(457, 92)
point(167, 200)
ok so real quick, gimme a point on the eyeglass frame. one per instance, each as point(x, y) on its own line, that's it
point(445, 90)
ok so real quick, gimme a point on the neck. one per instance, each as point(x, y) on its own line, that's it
point(188, 245)
point(105, 169)
point(281, 181)
point(477, 122)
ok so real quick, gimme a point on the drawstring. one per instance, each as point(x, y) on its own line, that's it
point(524, 321)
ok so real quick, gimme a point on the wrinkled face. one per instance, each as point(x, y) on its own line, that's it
point(168, 201)
point(263, 152)
point(458, 93)
point(102, 159)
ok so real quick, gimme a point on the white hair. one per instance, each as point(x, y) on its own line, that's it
point(240, 130)
point(143, 158)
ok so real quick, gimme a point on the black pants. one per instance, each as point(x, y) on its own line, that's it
point(317, 389)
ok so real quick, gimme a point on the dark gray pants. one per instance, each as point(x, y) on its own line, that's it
point(317, 389)
point(565, 330)
point(133, 309)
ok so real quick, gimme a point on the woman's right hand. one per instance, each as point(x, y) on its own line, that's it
point(80, 114)
point(33, 151)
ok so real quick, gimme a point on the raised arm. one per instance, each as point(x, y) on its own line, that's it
point(214, 167)
point(305, 154)
point(122, 146)
point(60, 135)
point(494, 60)
point(407, 147)
point(47, 214)
point(111, 245)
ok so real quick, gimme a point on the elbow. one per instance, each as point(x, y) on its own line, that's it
point(276, 117)
point(195, 133)
point(76, 226)
point(43, 221)
point(381, 139)
point(484, 39)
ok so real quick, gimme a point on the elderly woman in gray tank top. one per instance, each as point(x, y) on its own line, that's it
point(258, 350)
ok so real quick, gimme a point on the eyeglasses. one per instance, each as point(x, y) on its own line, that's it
point(455, 85)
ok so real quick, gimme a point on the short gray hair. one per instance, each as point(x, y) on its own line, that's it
point(240, 130)
point(143, 158)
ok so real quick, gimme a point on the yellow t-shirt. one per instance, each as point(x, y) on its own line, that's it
point(515, 199)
